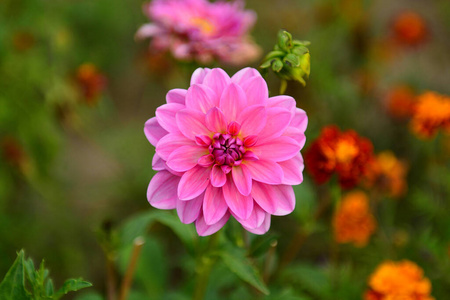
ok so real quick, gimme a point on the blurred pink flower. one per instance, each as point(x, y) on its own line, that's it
point(201, 30)
point(223, 147)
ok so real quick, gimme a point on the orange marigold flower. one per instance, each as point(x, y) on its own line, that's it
point(431, 112)
point(398, 280)
point(387, 173)
point(400, 101)
point(345, 153)
point(410, 28)
point(91, 82)
point(353, 221)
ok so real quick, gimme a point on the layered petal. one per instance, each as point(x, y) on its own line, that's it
point(153, 131)
point(256, 91)
point(170, 143)
point(176, 96)
point(199, 75)
point(252, 120)
point(165, 114)
point(278, 120)
point(204, 229)
point(191, 123)
point(277, 200)
point(282, 101)
point(256, 218)
point(218, 177)
point(278, 149)
point(232, 102)
point(217, 80)
point(300, 119)
point(265, 171)
point(240, 205)
point(243, 75)
point(201, 97)
point(193, 183)
point(292, 170)
point(214, 205)
point(188, 211)
point(261, 229)
point(185, 158)
point(242, 179)
point(158, 164)
point(162, 190)
point(215, 120)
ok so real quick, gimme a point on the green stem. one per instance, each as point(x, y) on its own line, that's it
point(204, 269)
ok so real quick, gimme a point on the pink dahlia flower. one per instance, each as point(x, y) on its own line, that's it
point(201, 30)
point(224, 148)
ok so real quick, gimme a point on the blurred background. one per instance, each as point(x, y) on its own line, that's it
point(76, 90)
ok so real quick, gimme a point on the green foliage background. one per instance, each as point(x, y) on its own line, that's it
point(88, 167)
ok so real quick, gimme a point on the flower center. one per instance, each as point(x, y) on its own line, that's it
point(227, 149)
point(346, 151)
point(205, 26)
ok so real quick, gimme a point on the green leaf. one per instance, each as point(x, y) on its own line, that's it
point(49, 289)
point(311, 278)
point(71, 285)
point(266, 64)
point(261, 244)
point(13, 285)
point(90, 296)
point(138, 225)
point(240, 265)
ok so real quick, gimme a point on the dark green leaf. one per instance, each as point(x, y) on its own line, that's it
point(239, 264)
point(71, 285)
point(261, 244)
point(312, 279)
point(13, 285)
point(49, 289)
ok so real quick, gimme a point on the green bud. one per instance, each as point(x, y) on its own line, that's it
point(305, 64)
point(292, 60)
point(284, 40)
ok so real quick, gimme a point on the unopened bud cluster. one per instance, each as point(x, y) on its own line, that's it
point(290, 59)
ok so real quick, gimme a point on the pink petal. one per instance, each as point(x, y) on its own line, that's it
point(165, 114)
point(199, 75)
point(176, 96)
point(277, 121)
point(232, 102)
point(300, 119)
point(170, 143)
point(297, 134)
point(147, 30)
point(215, 120)
point(256, 91)
point(191, 123)
point(193, 183)
point(256, 218)
point(188, 211)
point(204, 229)
point(282, 101)
point(242, 179)
point(214, 205)
point(157, 163)
point(218, 177)
point(265, 226)
point(244, 75)
point(284, 199)
point(162, 190)
point(278, 149)
point(265, 171)
point(200, 97)
point(261, 192)
point(153, 131)
point(240, 205)
point(217, 80)
point(252, 120)
point(292, 170)
point(186, 157)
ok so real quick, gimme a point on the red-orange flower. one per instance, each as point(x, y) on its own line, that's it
point(353, 221)
point(402, 280)
point(400, 101)
point(410, 28)
point(91, 82)
point(387, 173)
point(345, 153)
point(431, 113)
